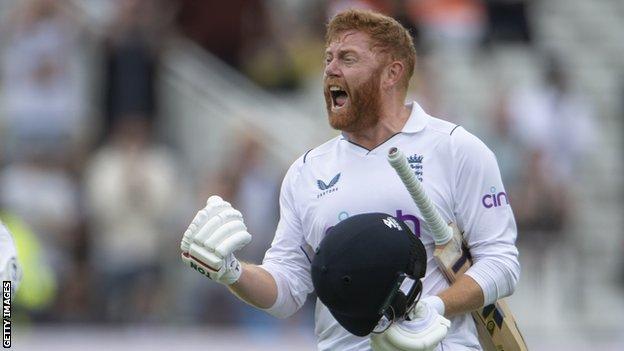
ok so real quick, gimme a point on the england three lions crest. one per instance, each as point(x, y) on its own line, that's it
point(415, 162)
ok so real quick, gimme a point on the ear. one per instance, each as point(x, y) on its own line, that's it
point(393, 74)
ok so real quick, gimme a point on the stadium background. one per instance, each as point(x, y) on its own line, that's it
point(118, 118)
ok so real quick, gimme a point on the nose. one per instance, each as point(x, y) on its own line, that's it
point(331, 69)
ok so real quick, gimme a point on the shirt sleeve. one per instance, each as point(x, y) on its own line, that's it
point(482, 210)
point(288, 258)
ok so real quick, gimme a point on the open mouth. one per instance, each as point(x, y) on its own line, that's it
point(339, 96)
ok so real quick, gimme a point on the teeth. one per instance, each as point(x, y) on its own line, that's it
point(334, 88)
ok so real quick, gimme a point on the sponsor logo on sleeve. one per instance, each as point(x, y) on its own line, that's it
point(494, 198)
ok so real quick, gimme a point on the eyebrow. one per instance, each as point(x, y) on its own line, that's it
point(343, 51)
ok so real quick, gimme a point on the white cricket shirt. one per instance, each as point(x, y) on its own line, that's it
point(339, 179)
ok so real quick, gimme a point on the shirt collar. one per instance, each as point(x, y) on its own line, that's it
point(415, 122)
point(417, 119)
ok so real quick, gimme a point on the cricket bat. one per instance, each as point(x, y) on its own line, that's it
point(495, 323)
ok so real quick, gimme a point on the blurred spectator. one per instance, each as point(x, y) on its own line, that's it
point(508, 21)
point(256, 190)
point(225, 28)
point(268, 60)
point(251, 182)
point(262, 39)
point(131, 59)
point(41, 192)
point(130, 187)
point(454, 24)
point(541, 134)
point(44, 125)
point(504, 142)
point(540, 201)
point(542, 208)
point(42, 100)
point(554, 118)
point(428, 89)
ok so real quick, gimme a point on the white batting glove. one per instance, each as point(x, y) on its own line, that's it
point(423, 332)
point(209, 243)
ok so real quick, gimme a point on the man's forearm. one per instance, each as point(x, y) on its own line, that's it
point(465, 295)
point(255, 286)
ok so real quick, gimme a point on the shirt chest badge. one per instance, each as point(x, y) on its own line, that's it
point(327, 188)
point(415, 162)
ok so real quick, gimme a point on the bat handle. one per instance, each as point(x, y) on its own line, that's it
point(442, 233)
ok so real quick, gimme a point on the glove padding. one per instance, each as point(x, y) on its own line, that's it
point(423, 332)
point(216, 232)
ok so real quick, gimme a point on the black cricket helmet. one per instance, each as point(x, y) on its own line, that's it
point(359, 267)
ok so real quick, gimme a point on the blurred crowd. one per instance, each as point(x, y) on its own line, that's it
point(97, 200)
point(95, 197)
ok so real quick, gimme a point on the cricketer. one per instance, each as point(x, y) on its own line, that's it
point(369, 60)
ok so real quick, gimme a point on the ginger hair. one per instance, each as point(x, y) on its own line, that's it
point(387, 35)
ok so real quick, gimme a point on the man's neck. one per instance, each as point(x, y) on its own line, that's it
point(391, 121)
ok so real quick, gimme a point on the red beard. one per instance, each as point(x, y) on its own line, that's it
point(363, 108)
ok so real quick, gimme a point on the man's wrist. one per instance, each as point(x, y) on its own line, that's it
point(234, 272)
point(435, 302)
